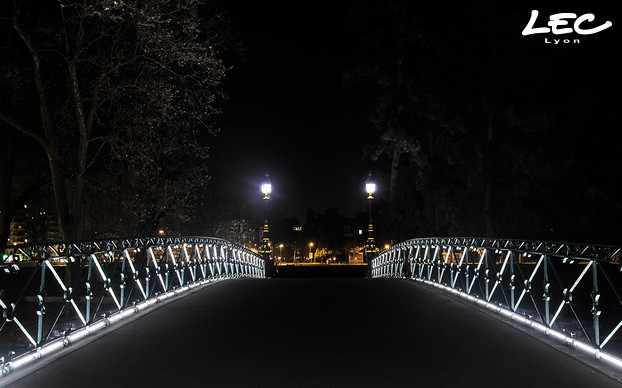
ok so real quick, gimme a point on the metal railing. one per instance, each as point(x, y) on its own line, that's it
point(572, 292)
point(54, 294)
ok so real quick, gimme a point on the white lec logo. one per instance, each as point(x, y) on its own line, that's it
point(558, 19)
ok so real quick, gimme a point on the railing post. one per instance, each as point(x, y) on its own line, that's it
point(512, 285)
point(595, 303)
point(122, 285)
point(451, 266)
point(41, 309)
point(181, 264)
point(437, 263)
point(147, 276)
point(486, 275)
point(89, 291)
point(411, 267)
point(427, 261)
point(545, 295)
point(167, 268)
point(468, 269)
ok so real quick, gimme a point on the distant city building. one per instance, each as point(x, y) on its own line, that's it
point(32, 225)
point(239, 231)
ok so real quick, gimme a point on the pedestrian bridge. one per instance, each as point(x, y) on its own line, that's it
point(199, 311)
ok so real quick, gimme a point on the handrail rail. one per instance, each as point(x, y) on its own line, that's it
point(572, 292)
point(53, 294)
point(570, 250)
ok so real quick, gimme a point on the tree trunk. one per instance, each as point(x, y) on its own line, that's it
point(78, 184)
point(489, 161)
point(395, 167)
point(6, 179)
point(60, 197)
point(49, 142)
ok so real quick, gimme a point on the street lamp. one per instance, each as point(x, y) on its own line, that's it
point(280, 252)
point(370, 187)
point(266, 189)
point(310, 256)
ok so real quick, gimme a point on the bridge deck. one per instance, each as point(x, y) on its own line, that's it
point(316, 333)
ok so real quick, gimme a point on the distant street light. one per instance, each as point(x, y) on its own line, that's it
point(370, 246)
point(266, 189)
point(280, 252)
point(310, 254)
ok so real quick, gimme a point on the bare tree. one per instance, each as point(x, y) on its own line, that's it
point(133, 83)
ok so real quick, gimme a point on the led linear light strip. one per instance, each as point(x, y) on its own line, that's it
point(588, 349)
point(60, 343)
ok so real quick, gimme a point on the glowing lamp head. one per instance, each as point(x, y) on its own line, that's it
point(266, 187)
point(370, 187)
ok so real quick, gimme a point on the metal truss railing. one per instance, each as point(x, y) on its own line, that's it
point(572, 292)
point(54, 294)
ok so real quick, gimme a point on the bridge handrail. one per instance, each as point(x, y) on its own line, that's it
point(597, 252)
point(572, 292)
point(52, 294)
point(91, 246)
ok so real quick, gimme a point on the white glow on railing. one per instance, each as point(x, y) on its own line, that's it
point(64, 288)
point(500, 274)
point(530, 279)
point(105, 279)
point(58, 344)
point(559, 310)
point(576, 283)
point(170, 251)
point(60, 282)
point(192, 273)
point(155, 264)
point(602, 345)
point(75, 307)
point(140, 286)
point(586, 348)
point(23, 329)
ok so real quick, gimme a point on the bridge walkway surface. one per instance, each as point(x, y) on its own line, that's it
point(316, 333)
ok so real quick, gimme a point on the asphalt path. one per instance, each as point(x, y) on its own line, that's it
point(316, 333)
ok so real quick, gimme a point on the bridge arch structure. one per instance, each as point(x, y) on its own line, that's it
point(570, 292)
point(55, 294)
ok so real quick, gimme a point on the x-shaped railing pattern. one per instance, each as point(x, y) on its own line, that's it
point(572, 291)
point(52, 294)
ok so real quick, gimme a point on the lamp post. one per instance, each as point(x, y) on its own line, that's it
point(280, 252)
point(310, 254)
point(370, 246)
point(266, 189)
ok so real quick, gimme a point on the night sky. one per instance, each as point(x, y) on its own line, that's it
point(288, 112)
